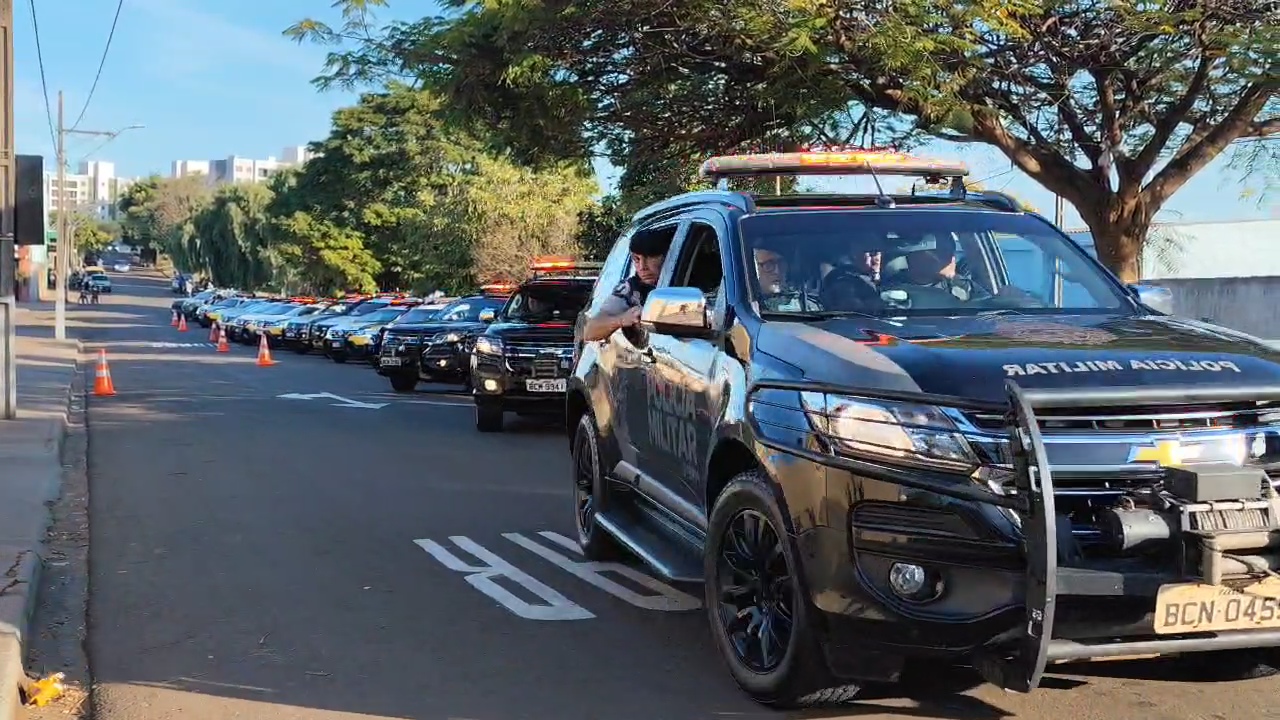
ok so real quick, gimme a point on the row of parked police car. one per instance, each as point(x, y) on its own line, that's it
point(510, 345)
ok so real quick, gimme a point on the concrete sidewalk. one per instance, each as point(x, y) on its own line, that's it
point(31, 468)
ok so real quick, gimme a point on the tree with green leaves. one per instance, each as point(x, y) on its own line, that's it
point(1113, 106)
point(232, 236)
point(162, 212)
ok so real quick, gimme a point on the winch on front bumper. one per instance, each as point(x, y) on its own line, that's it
point(1184, 561)
point(1205, 540)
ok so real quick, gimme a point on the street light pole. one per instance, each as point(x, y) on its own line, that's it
point(64, 231)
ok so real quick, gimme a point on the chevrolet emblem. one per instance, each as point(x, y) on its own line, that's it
point(1165, 453)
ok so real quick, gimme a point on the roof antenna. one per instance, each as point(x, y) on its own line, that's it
point(882, 200)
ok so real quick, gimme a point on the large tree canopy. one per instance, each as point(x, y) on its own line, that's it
point(1112, 105)
point(395, 198)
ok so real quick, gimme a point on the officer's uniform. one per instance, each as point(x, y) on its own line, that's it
point(961, 287)
point(628, 294)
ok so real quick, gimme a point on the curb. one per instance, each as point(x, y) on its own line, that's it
point(20, 583)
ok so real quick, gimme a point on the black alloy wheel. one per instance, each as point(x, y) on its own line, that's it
point(754, 584)
point(588, 493)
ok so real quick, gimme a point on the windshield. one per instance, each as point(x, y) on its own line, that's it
point(385, 315)
point(908, 262)
point(418, 315)
point(548, 301)
point(468, 310)
point(366, 308)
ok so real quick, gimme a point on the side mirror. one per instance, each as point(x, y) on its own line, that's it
point(487, 316)
point(676, 311)
point(1155, 297)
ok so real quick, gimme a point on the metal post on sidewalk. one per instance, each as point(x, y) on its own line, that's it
point(8, 271)
point(64, 247)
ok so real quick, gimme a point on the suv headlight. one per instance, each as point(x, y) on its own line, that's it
point(486, 345)
point(888, 431)
point(447, 337)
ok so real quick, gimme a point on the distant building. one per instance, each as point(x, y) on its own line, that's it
point(94, 190)
point(236, 169)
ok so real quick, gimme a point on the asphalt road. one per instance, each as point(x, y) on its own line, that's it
point(263, 557)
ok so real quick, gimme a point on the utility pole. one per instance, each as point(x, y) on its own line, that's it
point(64, 246)
point(8, 179)
point(64, 231)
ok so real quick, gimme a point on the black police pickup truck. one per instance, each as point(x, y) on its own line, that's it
point(434, 349)
point(879, 429)
point(522, 361)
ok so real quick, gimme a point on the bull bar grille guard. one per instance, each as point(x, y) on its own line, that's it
point(1021, 666)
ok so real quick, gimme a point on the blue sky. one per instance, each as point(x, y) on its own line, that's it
point(213, 78)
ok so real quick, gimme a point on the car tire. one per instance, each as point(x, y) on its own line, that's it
point(590, 493)
point(403, 383)
point(489, 417)
point(302, 349)
point(338, 358)
point(801, 676)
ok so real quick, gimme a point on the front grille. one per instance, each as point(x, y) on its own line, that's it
point(1099, 455)
point(1168, 419)
point(538, 360)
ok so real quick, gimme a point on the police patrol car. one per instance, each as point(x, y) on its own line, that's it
point(520, 363)
point(999, 454)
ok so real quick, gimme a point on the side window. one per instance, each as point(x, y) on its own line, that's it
point(614, 270)
point(1024, 261)
point(700, 264)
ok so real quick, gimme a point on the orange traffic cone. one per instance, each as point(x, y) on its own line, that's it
point(182, 323)
point(213, 333)
point(264, 353)
point(222, 341)
point(173, 322)
point(102, 384)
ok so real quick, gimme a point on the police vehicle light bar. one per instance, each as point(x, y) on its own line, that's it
point(829, 163)
point(497, 289)
point(559, 262)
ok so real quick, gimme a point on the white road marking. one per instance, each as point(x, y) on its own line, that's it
point(482, 578)
point(160, 344)
point(342, 402)
point(668, 598)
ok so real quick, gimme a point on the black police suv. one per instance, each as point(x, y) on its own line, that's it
point(522, 361)
point(433, 348)
point(1002, 455)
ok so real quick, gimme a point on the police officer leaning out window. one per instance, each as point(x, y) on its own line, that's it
point(622, 308)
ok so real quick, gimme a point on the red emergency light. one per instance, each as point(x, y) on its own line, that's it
point(498, 289)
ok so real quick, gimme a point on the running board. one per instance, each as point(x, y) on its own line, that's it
point(661, 553)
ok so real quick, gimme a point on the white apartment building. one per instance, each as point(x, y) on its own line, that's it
point(94, 189)
point(236, 169)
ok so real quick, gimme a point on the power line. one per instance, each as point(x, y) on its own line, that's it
point(48, 110)
point(101, 64)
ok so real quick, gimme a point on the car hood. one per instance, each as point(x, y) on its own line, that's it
point(972, 357)
point(431, 328)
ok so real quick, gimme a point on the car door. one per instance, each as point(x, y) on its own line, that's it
point(682, 393)
point(629, 392)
